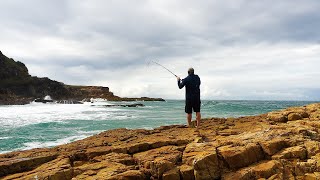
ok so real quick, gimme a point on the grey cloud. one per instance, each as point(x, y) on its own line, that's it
point(77, 41)
point(36, 15)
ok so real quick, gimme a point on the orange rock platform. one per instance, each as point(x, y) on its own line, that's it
point(277, 145)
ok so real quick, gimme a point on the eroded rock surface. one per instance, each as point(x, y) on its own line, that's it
point(278, 145)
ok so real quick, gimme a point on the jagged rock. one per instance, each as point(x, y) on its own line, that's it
point(168, 153)
point(193, 149)
point(125, 159)
point(100, 170)
point(203, 158)
point(306, 167)
point(23, 164)
point(313, 148)
point(296, 152)
point(206, 166)
point(137, 147)
point(290, 114)
point(279, 176)
point(57, 169)
point(159, 166)
point(267, 169)
point(172, 174)
point(262, 170)
point(129, 175)
point(97, 151)
point(273, 146)
point(277, 117)
point(312, 176)
point(294, 117)
point(241, 156)
point(187, 172)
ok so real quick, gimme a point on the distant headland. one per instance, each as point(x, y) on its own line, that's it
point(18, 87)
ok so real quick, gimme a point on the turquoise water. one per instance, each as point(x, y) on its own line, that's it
point(46, 125)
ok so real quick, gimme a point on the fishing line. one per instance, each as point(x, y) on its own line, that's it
point(163, 67)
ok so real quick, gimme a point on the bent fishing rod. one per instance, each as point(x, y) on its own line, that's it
point(165, 68)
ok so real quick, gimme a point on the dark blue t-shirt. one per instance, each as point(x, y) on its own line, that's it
point(192, 83)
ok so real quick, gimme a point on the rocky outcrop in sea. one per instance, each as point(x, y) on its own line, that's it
point(278, 145)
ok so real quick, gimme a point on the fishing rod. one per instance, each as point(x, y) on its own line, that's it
point(165, 68)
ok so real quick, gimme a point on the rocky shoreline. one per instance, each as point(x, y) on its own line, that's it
point(278, 145)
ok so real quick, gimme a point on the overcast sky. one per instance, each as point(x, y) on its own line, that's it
point(241, 49)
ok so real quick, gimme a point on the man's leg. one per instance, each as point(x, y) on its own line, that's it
point(198, 118)
point(189, 117)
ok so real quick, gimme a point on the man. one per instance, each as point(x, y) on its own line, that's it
point(192, 83)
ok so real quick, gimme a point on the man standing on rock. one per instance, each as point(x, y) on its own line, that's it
point(192, 83)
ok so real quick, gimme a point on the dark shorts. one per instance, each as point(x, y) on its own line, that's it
point(192, 104)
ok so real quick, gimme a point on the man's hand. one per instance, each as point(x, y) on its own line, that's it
point(178, 78)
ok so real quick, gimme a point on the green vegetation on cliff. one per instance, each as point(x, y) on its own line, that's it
point(10, 69)
point(12, 72)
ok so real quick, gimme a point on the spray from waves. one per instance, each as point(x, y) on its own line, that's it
point(1, 138)
point(36, 144)
point(3, 152)
point(209, 103)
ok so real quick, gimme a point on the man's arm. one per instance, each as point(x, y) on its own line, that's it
point(181, 83)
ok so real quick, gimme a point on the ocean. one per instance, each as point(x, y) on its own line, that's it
point(38, 125)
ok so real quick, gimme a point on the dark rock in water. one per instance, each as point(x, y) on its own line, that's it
point(68, 102)
point(42, 100)
point(139, 99)
point(125, 105)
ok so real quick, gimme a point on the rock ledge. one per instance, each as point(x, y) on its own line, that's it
point(279, 145)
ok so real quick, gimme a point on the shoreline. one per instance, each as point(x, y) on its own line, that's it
point(275, 145)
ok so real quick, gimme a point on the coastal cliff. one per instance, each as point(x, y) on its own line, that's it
point(17, 86)
point(278, 145)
